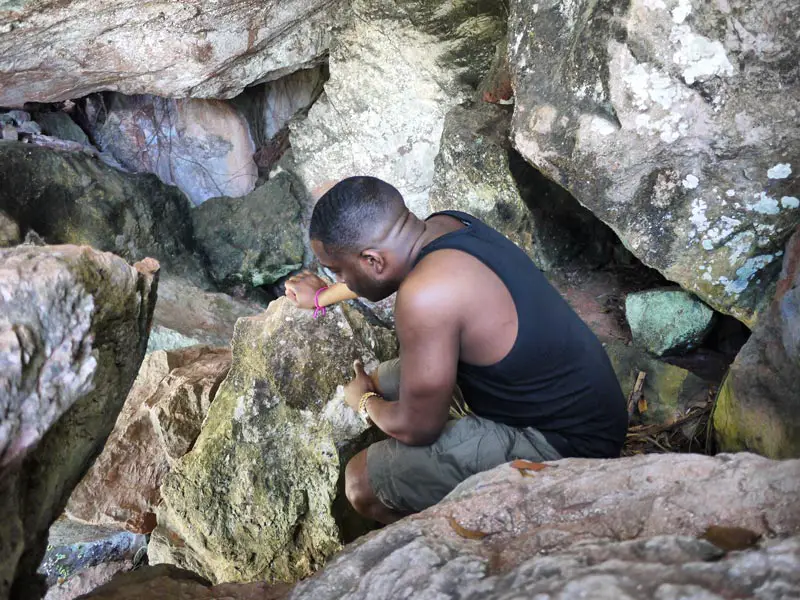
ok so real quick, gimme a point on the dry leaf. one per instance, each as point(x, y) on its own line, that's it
point(470, 534)
point(731, 538)
point(642, 405)
point(527, 465)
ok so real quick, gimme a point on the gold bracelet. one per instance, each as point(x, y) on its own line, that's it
point(362, 406)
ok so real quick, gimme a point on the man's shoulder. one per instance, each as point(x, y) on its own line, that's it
point(430, 289)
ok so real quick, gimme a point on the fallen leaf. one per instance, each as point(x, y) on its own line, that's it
point(527, 465)
point(642, 405)
point(730, 538)
point(470, 534)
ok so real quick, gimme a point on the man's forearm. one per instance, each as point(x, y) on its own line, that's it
point(390, 418)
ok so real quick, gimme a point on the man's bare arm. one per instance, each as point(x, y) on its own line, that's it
point(428, 331)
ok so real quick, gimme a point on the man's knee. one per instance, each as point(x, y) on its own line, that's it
point(356, 483)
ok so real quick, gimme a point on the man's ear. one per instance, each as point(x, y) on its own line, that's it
point(373, 260)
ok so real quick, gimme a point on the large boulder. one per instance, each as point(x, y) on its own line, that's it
point(667, 321)
point(60, 51)
point(395, 71)
point(623, 528)
point(675, 123)
point(74, 325)
point(186, 316)
point(159, 423)
point(255, 498)
point(166, 581)
point(72, 198)
point(669, 392)
point(477, 172)
point(254, 240)
point(203, 147)
point(758, 406)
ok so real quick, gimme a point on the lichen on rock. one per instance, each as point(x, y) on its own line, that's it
point(254, 498)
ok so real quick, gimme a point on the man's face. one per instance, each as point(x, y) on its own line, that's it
point(358, 272)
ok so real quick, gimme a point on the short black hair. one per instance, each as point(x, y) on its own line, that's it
point(348, 215)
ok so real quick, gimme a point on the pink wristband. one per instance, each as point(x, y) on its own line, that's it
point(319, 310)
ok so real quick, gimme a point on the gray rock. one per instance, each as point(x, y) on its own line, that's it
point(254, 240)
point(396, 69)
point(477, 172)
point(60, 125)
point(61, 51)
point(71, 198)
point(667, 321)
point(623, 528)
point(669, 391)
point(73, 337)
point(256, 498)
point(758, 406)
point(186, 315)
point(73, 548)
point(9, 231)
point(203, 147)
point(676, 123)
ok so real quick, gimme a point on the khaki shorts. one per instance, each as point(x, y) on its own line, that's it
point(412, 478)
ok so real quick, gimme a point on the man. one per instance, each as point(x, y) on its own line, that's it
point(474, 317)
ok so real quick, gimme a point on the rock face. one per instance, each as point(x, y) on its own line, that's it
point(623, 528)
point(472, 174)
point(68, 197)
point(203, 147)
point(667, 321)
point(166, 581)
point(758, 407)
point(675, 122)
point(269, 107)
point(254, 498)
point(396, 69)
point(73, 337)
point(477, 172)
point(158, 425)
point(254, 240)
point(198, 49)
point(668, 392)
point(186, 316)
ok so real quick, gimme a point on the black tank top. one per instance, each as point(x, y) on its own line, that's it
point(557, 377)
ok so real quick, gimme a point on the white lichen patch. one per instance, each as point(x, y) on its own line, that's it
point(730, 193)
point(765, 204)
point(680, 12)
point(740, 245)
point(690, 182)
point(698, 218)
point(659, 99)
point(745, 273)
point(700, 57)
point(790, 202)
point(780, 171)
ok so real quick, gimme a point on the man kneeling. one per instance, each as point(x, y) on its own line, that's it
point(476, 321)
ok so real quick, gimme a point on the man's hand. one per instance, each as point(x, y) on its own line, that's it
point(302, 288)
point(358, 387)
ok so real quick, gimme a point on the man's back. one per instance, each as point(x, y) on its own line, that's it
point(525, 358)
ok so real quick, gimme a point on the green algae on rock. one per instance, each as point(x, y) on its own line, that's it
point(72, 198)
point(254, 498)
point(256, 239)
point(758, 405)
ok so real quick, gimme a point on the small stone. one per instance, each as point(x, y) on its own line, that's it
point(19, 116)
point(9, 231)
point(9, 132)
point(30, 127)
point(667, 321)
